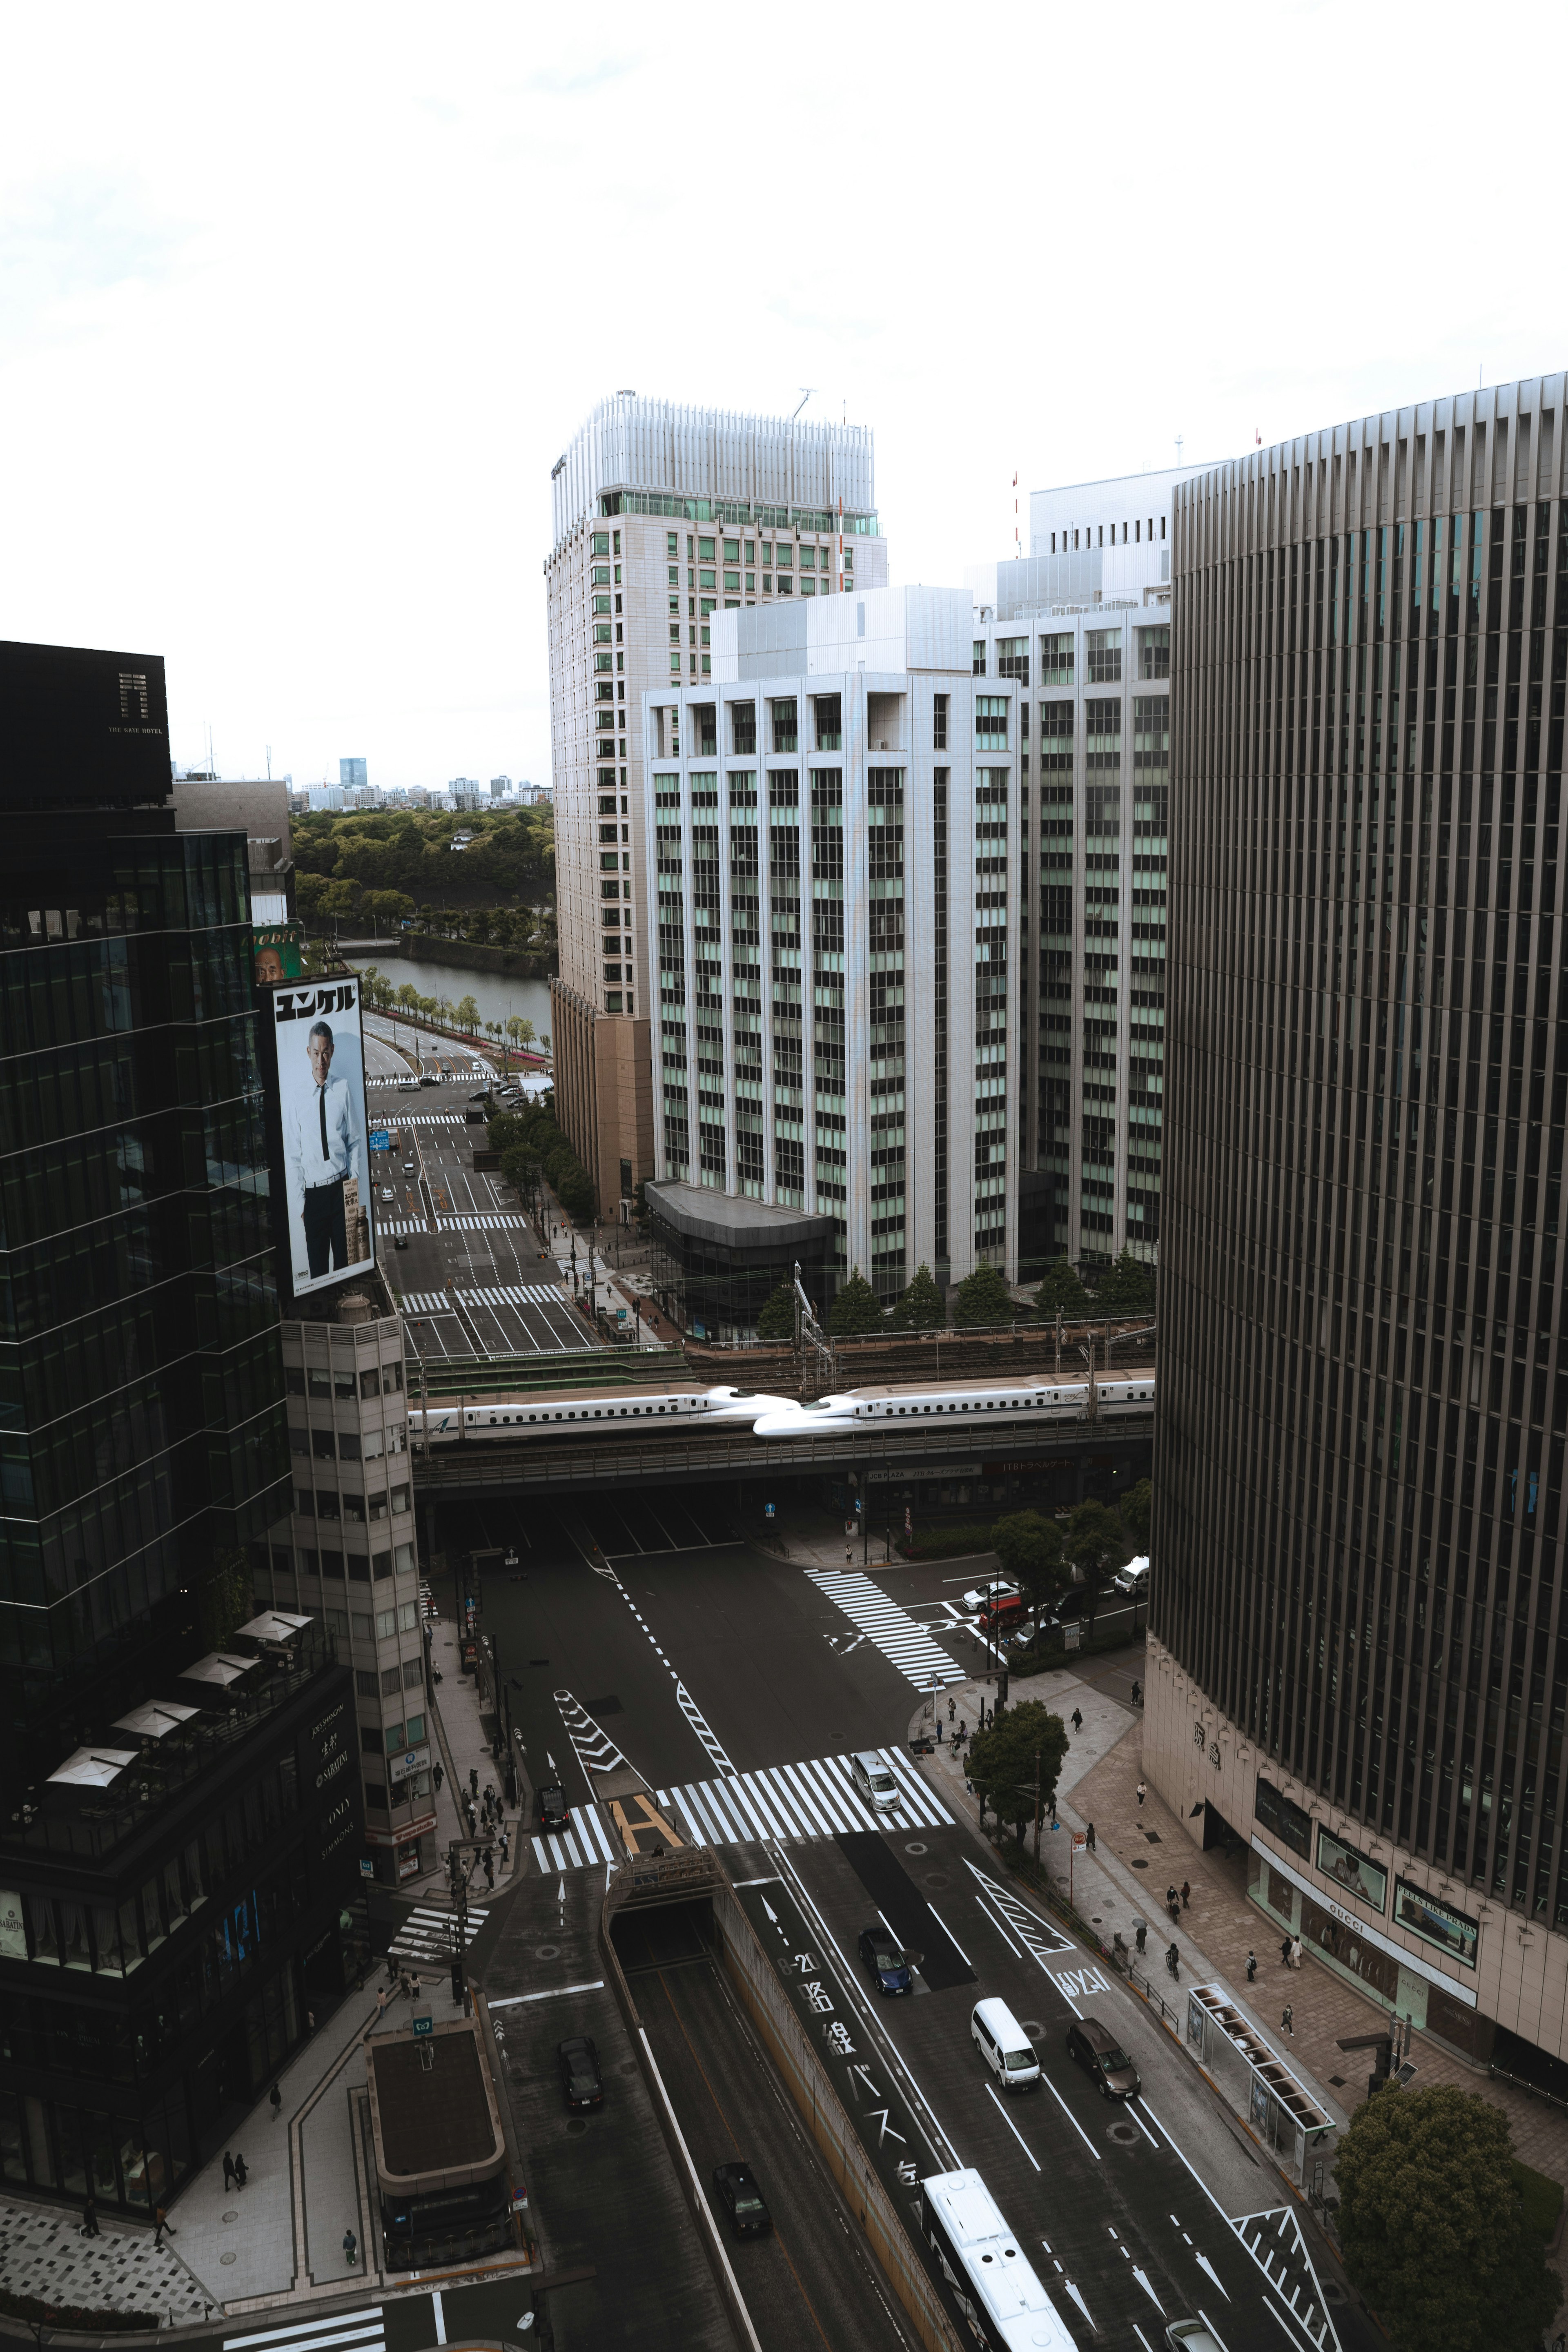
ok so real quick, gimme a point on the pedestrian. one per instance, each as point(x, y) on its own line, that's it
point(240, 2172)
point(939, 1731)
point(951, 1708)
point(1089, 1837)
point(414, 1987)
point(391, 1969)
point(436, 1777)
point(89, 2219)
point(275, 2100)
point(228, 2170)
point(848, 1555)
point(1287, 2021)
point(164, 2222)
point(489, 1868)
point(1285, 1952)
point(1141, 1939)
point(1251, 1967)
point(1137, 1694)
point(1187, 1893)
point(1142, 1793)
point(350, 2247)
point(1171, 1904)
point(382, 1994)
point(1078, 1719)
point(1296, 1953)
point(1173, 1960)
point(474, 1779)
point(405, 1989)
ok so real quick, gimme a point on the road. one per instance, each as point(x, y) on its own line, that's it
point(737, 1686)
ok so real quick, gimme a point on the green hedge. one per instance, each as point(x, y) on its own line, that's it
point(1048, 1655)
point(947, 1543)
point(77, 2317)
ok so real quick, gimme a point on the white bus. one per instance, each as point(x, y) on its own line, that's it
point(998, 2295)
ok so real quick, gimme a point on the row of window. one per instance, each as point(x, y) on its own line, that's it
point(342, 1382)
point(1102, 653)
point(1140, 527)
point(354, 1510)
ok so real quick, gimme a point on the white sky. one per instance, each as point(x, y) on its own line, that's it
point(299, 306)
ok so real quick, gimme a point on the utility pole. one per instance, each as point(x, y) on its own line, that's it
point(1036, 1808)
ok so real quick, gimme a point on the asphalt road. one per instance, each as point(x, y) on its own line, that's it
point(708, 1664)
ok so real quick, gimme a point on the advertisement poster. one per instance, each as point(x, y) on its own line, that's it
point(280, 954)
point(318, 1068)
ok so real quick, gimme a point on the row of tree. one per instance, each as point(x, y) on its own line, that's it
point(982, 1299)
point(440, 1012)
point(532, 1149)
point(410, 850)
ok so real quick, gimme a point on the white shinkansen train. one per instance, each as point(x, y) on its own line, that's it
point(959, 1405)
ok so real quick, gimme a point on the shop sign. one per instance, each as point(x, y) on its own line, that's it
point(412, 1760)
point(13, 1927)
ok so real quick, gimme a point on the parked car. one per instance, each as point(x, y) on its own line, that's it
point(742, 2200)
point(400, 1240)
point(1003, 1614)
point(1134, 1577)
point(980, 1596)
point(551, 1808)
point(1098, 2051)
point(579, 2064)
point(884, 1957)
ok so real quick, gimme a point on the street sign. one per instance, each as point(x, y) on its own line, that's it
point(380, 1139)
point(367, 1867)
point(422, 2025)
point(770, 1510)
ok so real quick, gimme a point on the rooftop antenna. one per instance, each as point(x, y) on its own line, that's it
point(806, 391)
point(1017, 541)
point(270, 763)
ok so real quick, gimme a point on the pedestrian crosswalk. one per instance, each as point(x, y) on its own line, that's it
point(483, 1221)
point(427, 1936)
point(362, 2331)
point(401, 1225)
point(895, 1634)
point(425, 1302)
point(515, 1294)
point(584, 1846)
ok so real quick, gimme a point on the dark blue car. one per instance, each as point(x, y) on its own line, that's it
point(885, 1958)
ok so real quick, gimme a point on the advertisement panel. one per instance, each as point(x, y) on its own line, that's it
point(1342, 1863)
point(280, 953)
point(1435, 1922)
point(318, 1070)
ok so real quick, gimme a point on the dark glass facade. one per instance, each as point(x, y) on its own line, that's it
point(1364, 1401)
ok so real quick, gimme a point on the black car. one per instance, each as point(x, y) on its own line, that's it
point(400, 1240)
point(742, 2198)
point(579, 2064)
point(884, 1957)
point(550, 1805)
point(1103, 2059)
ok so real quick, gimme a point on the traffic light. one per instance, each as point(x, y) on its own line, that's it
point(457, 1982)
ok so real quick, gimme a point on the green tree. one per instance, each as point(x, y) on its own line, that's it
point(922, 1306)
point(1127, 1287)
point(1433, 2233)
point(225, 1599)
point(776, 1320)
point(1096, 1543)
point(1061, 1291)
point(576, 1194)
point(1030, 1550)
point(520, 1031)
point(982, 1297)
point(387, 906)
point(856, 1308)
point(310, 891)
point(1137, 1509)
point(478, 925)
point(1000, 1762)
point(466, 1011)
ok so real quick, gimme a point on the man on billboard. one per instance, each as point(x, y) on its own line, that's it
point(324, 1147)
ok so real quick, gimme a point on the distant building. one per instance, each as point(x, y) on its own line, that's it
point(500, 787)
point(351, 773)
point(326, 796)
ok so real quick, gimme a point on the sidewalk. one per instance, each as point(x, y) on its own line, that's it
point(44, 2253)
point(1140, 1851)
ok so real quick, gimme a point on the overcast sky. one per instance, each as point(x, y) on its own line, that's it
point(299, 306)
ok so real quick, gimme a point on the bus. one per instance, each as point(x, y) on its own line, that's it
point(999, 2298)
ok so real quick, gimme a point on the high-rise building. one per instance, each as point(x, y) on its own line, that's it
point(828, 838)
point(1358, 1660)
point(663, 517)
point(351, 774)
point(180, 1836)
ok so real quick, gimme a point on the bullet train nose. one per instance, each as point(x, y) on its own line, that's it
point(787, 1419)
point(746, 1405)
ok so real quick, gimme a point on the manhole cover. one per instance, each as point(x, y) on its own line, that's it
point(225, 2259)
point(914, 1847)
point(1139, 1864)
point(1128, 2135)
point(1095, 1920)
point(547, 1952)
point(936, 1878)
point(577, 2124)
point(1033, 2029)
point(1333, 2291)
point(231, 2217)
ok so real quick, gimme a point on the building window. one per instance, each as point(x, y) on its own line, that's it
point(991, 722)
point(939, 722)
point(1102, 657)
point(1154, 652)
point(1102, 726)
point(1013, 658)
point(786, 725)
point(979, 657)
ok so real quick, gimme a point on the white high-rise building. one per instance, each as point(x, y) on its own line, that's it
point(831, 821)
point(665, 517)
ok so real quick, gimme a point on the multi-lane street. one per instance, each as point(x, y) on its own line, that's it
point(633, 1637)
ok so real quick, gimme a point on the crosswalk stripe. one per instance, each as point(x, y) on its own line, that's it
point(814, 1799)
point(308, 2336)
point(901, 1641)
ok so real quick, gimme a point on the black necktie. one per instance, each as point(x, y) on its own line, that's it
point(321, 1106)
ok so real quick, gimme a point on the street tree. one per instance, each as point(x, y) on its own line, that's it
point(922, 1306)
point(856, 1308)
point(776, 1320)
point(1000, 1762)
point(1030, 1550)
point(1137, 1510)
point(1433, 2232)
point(1061, 1291)
point(1096, 1543)
point(982, 1297)
point(1127, 1287)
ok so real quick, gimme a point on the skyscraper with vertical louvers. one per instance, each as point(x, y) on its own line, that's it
point(1360, 1658)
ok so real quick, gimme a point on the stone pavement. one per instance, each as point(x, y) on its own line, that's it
point(44, 2253)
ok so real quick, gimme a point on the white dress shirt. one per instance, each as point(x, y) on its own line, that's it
point(343, 1140)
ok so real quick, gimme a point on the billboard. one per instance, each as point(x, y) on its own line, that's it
point(317, 1069)
point(280, 953)
point(80, 725)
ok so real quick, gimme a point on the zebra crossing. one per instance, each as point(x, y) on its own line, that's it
point(484, 1220)
point(817, 1798)
point(584, 1846)
point(426, 1937)
point(361, 2331)
point(426, 1118)
point(401, 1225)
point(899, 1637)
point(517, 1294)
point(425, 1302)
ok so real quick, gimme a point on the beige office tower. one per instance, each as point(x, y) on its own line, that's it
point(663, 516)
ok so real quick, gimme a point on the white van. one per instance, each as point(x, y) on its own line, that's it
point(1003, 2044)
point(875, 1782)
point(1134, 1577)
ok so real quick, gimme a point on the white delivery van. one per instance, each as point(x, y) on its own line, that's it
point(1003, 2044)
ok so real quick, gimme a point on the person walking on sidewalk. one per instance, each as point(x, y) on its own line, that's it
point(474, 1779)
point(240, 2175)
point(1285, 1952)
point(1137, 1694)
point(90, 2228)
point(951, 1708)
point(414, 1987)
point(1088, 1838)
point(350, 2247)
point(1296, 1953)
point(275, 2100)
point(1142, 1938)
point(228, 2170)
point(1142, 1793)
point(1187, 1893)
point(1173, 1961)
point(1078, 1719)
point(436, 1778)
point(1251, 1967)
point(164, 2222)
point(1287, 2021)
